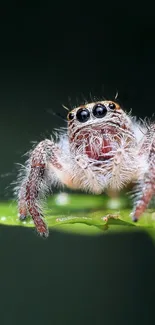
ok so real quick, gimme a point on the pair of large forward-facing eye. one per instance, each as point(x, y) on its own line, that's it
point(83, 114)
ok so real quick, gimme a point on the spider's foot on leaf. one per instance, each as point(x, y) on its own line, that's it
point(22, 217)
point(41, 227)
point(134, 218)
point(44, 234)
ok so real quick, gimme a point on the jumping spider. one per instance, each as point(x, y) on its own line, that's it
point(104, 148)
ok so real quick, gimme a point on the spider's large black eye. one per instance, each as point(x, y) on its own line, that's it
point(83, 115)
point(112, 105)
point(70, 116)
point(99, 110)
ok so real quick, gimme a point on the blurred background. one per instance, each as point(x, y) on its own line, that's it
point(54, 53)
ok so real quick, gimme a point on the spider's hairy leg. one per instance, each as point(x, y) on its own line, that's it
point(35, 184)
point(146, 186)
point(22, 203)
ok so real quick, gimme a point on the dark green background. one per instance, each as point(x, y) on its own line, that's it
point(53, 54)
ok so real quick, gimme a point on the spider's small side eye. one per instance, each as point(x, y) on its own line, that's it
point(112, 105)
point(70, 116)
point(83, 115)
point(99, 110)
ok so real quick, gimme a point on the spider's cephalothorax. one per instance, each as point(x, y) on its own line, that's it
point(103, 148)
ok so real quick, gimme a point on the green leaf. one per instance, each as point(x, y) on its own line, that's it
point(81, 213)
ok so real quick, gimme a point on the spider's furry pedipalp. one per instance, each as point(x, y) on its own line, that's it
point(103, 148)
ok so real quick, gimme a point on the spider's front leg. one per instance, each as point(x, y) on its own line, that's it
point(35, 183)
point(146, 186)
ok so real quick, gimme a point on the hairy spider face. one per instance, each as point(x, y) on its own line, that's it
point(96, 127)
point(94, 116)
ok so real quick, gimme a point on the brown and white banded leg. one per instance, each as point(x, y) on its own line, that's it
point(34, 185)
point(146, 187)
